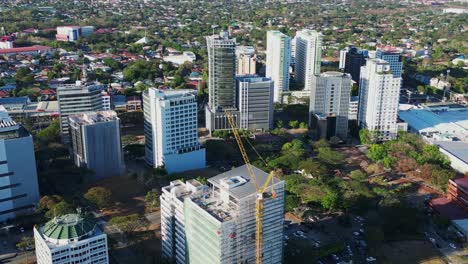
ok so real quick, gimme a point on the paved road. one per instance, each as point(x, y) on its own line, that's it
point(154, 218)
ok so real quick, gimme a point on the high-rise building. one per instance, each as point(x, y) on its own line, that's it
point(72, 238)
point(353, 108)
point(329, 104)
point(215, 223)
point(106, 101)
point(77, 98)
point(19, 190)
point(96, 144)
point(246, 60)
point(221, 81)
point(393, 58)
point(378, 99)
point(351, 61)
point(255, 103)
point(278, 57)
point(308, 56)
point(171, 134)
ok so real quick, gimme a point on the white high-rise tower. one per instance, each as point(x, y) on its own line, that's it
point(308, 56)
point(278, 57)
point(378, 99)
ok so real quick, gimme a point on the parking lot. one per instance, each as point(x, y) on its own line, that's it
point(322, 233)
point(9, 236)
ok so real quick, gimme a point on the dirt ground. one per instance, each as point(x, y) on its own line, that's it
point(408, 252)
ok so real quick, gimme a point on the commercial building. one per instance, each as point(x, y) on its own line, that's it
point(32, 50)
point(19, 190)
point(96, 144)
point(72, 238)
point(278, 56)
point(436, 122)
point(134, 103)
point(351, 61)
point(393, 58)
point(458, 191)
point(308, 56)
point(378, 99)
point(222, 94)
point(181, 58)
point(457, 152)
point(73, 33)
point(77, 98)
point(215, 223)
point(106, 101)
point(329, 104)
point(171, 135)
point(246, 60)
point(255, 103)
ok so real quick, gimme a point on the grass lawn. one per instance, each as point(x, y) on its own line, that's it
point(410, 252)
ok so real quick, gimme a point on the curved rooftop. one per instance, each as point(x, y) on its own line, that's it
point(69, 226)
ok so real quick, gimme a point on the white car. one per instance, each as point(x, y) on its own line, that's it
point(370, 259)
point(452, 245)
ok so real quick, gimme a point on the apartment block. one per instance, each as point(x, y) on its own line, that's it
point(96, 143)
point(278, 58)
point(378, 99)
point(77, 98)
point(171, 130)
point(308, 56)
point(246, 60)
point(255, 103)
point(329, 104)
point(215, 223)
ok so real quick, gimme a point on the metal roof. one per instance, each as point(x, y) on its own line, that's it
point(69, 226)
point(247, 188)
point(456, 148)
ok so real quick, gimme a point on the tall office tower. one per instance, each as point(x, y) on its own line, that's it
point(215, 223)
point(221, 81)
point(171, 135)
point(352, 62)
point(308, 56)
point(278, 57)
point(393, 58)
point(19, 190)
point(77, 98)
point(72, 238)
point(342, 62)
point(246, 60)
point(293, 51)
point(255, 103)
point(353, 108)
point(96, 144)
point(329, 104)
point(378, 99)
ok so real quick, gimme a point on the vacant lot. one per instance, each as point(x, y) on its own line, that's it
point(408, 252)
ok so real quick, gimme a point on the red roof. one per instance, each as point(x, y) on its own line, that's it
point(462, 183)
point(448, 208)
point(25, 49)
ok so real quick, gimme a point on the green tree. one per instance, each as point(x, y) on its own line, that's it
point(129, 223)
point(61, 208)
point(99, 197)
point(25, 243)
point(358, 175)
point(49, 201)
point(291, 202)
point(330, 156)
point(313, 167)
point(321, 143)
point(152, 198)
point(293, 124)
point(50, 133)
point(330, 200)
point(376, 152)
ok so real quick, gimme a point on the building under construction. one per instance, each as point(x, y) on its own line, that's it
point(215, 223)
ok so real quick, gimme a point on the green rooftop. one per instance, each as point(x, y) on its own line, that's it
point(69, 226)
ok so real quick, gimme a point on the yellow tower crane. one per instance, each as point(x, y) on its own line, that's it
point(260, 190)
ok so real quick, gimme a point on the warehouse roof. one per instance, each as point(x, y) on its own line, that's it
point(422, 120)
point(457, 149)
